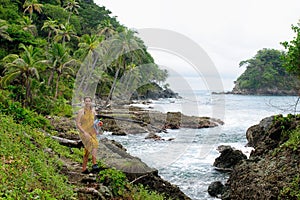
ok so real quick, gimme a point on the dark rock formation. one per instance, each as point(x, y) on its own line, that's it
point(114, 155)
point(216, 189)
point(153, 91)
point(264, 91)
point(228, 159)
point(154, 121)
point(271, 167)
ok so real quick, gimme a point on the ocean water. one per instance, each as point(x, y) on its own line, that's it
point(187, 160)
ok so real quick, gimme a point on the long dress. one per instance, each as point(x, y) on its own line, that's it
point(87, 123)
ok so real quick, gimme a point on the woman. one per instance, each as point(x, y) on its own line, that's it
point(85, 123)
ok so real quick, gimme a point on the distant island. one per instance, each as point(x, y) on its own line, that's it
point(265, 75)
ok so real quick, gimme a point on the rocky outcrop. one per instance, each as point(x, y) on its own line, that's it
point(148, 121)
point(153, 91)
point(264, 91)
point(113, 155)
point(271, 170)
point(216, 189)
point(228, 159)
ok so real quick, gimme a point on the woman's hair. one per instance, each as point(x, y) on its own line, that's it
point(87, 97)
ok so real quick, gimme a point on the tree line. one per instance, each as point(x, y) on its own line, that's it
point(44, 43)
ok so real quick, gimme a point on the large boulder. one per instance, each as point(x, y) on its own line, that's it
point(272, 169)
point(114, 155)
point(228, 159)
point(216, 189)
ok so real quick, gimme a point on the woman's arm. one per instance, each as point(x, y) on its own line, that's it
point(78, 123)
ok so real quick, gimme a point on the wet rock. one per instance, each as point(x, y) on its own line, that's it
point(229, 158)
point(271, 167)
point(153, 136)
point(173, 120)
point(115, 156)
point(216, 189)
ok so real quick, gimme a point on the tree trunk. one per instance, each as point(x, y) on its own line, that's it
point(112, 87)
point(56, 87)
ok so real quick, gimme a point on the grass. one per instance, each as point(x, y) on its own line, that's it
point(26, 171)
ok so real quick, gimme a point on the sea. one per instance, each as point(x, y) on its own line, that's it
point(185, 157)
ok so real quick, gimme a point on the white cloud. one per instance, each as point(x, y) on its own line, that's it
point(229, 31)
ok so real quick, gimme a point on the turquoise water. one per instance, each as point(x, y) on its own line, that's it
point(187, 160)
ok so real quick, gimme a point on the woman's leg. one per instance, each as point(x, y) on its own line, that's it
point(94, 158)
point(85, 159)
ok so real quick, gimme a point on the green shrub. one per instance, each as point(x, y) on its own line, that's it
point(115, 180)
point(27, 172)
point(141, 193)
point(292, 191)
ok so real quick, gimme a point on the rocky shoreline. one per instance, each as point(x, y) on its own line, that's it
point(131, 120)
point(261, 91)
point(271, 171)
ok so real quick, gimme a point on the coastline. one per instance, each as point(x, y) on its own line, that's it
point(152, 122)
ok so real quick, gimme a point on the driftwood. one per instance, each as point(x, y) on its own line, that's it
point(67, 142)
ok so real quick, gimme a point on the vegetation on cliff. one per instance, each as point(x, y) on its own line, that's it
point(265, 74)
point(44, 43)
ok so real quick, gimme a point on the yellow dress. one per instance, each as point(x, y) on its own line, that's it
point(87, 123)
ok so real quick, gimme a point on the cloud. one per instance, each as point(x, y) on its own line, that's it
point(228, 31)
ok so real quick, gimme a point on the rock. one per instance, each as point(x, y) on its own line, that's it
point(153, 136)
point(114, 155)
point(62, 124)
point(271, 167)
point(221, 148)
point(255, 133)
point(173, 120)
point(216, 189)
point(229, 158)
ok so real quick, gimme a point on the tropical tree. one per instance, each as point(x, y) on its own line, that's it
point(106, 28)
point(72, 6)
point(3, 30)
point(24, 68)
point(65, 32)
point(125, 46)
point(61, 64)
point(32, 5)
point(88, 44)
point(292, 56)
point(28, 26)
point(51, 25)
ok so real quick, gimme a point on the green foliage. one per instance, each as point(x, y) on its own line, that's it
point(115, 180)
point(20, 114)
point(141, 193)
point(55, 12)
point(292, 191)
point(293, 141)
point(291, 58)
point(265, 71)
point(26, 171)
point(61, 108)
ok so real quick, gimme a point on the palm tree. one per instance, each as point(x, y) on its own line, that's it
point(124, 47)
point(65, 32)
point(31, 5)
point(72, 6)
point(89, 43)
point(106, 29)
point(3, 28)
point(23, 67)
point(27, 25)
point(61, 64)
point(51, 25)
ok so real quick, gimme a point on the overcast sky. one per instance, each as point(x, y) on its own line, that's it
point(228, 31)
